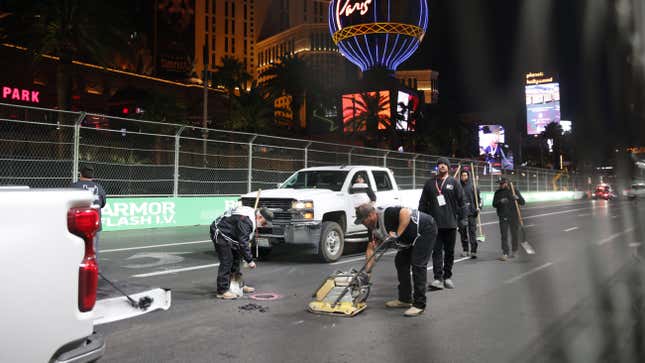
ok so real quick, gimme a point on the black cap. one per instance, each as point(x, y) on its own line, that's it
point(363, 211)
point(266, 214)
point(443, 161)
point(87, 171)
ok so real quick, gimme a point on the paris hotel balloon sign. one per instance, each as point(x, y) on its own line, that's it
point(378, 33)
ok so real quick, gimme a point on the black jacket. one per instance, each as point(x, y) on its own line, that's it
point(503, 202)
point(237, 230)
point(469, 197)
point(448, 216)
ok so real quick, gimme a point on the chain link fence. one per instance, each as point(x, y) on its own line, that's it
point(44, 148)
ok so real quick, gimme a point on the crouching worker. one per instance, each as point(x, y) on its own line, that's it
point(231, 234)
point(415, 234)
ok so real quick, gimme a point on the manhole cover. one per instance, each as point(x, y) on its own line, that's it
point(265, 296)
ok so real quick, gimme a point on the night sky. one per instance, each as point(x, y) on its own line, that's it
point(483, 49)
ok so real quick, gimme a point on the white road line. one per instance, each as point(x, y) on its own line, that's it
point(571, 229)
point(458, 260)
point(584, 214)
point(167, 272)
point(614, 236)
point(518, 277)
point(529, 225)
point(541, 215)
point(155, 246)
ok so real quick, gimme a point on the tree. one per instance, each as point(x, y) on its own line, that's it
point(252, 111)
point(369, 112)
point(231, 74)
point(88, 30)
point(553, 131)
point(289, 77)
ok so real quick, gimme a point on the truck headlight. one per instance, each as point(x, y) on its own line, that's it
point(298, 204)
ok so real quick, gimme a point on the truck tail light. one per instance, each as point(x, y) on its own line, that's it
point(84, 222)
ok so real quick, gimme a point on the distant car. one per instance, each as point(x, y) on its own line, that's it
point(603, 191)
point(637, 190)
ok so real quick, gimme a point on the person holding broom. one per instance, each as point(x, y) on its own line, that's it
point(509, 219)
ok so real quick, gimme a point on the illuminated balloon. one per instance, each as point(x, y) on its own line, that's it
point(378, 33)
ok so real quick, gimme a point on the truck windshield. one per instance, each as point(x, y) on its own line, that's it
point(316, 179)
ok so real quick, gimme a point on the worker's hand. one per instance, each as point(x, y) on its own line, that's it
point(393, 234)
point(252, 264)
point(516, 197)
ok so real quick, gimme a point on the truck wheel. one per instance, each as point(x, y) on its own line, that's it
point(331, 242)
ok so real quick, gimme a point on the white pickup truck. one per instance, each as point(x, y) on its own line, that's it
point(315, 207)
point(49, 278)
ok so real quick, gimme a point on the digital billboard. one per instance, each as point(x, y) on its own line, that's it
point(492, 147)
point(356, 106)
point(407, 106)
point(542, 102)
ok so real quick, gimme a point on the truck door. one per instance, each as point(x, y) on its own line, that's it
point(386, 192)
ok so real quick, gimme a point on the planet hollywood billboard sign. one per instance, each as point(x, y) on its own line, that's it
point(378, 33)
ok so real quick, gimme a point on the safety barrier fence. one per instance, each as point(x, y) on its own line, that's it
point(131, 157)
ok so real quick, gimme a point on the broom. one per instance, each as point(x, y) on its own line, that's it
point(480, 231)
point(525, 244)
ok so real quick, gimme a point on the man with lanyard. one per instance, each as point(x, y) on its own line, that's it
point(415, 233)
point(443, 199)
point(231, 234)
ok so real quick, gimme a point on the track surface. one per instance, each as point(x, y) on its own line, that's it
point(580, 299)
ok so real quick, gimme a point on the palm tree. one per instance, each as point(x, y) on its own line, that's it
point(252, 111)
point(553, 131)
point(89, 30)
point(289, 77)
point(369, 113)
point(231, 74)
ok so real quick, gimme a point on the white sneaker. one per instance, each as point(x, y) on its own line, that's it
point(227, 296)
point(397, 304)
point(436, 285)
point(248, 289)
point(448, 284)
point(465, 254)
point(413, 311)
point(503, 258)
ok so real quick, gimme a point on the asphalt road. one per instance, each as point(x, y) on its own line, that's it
point(580, 299)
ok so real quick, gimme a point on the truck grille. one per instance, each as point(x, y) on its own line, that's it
point(279, 207)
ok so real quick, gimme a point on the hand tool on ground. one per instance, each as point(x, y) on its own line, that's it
point(481, 237)
point(525, 244)
point(345, 293)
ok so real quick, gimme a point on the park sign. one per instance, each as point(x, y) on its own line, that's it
point(378, 33)
point(12, 93)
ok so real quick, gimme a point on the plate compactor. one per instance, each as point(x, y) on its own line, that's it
point(345, 293)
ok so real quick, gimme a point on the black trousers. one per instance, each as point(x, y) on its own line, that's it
point(469, 236)
point(229, 264)
point(506, 223)
point(443, 253)
point(415, 259)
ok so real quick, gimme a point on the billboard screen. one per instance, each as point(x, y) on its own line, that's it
point(406, 106)
point(356, 106)
point(542, 106)
point(492, 147)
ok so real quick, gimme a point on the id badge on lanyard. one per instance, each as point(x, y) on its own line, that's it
point(441, 199)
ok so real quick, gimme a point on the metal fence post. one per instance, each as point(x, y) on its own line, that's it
point(77, 146)
point(537, 181)
point(349, 156)
point(175, 187)
point(307, 155)
point(528, 180)
point(250, 176)
point(385, 159)
point(414, 171)
point(491, 180)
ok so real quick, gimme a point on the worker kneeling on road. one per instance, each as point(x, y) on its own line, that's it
point(231, 234)
point(415, 234)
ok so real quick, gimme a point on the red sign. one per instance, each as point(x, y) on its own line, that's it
point(18, 94)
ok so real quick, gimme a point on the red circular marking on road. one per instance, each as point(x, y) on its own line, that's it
point(265, 296)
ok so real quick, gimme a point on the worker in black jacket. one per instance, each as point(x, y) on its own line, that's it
point(504, 202)
point(231, 234)
point(415, 232)
point(473, 206)
point(443, 199)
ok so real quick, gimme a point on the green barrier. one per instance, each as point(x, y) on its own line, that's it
point(121, 214)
